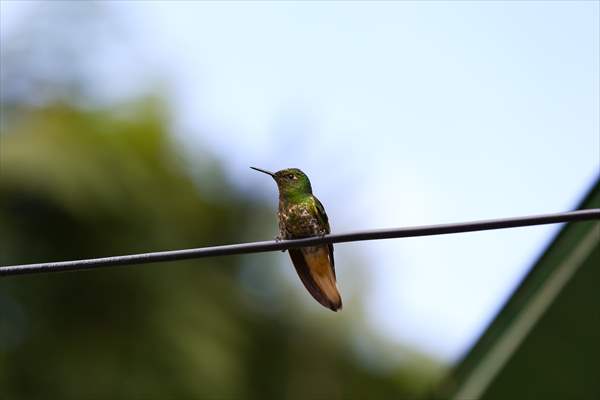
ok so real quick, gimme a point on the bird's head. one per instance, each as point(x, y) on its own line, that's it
point(291, 182)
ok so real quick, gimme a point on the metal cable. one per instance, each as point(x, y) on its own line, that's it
point(272, 245)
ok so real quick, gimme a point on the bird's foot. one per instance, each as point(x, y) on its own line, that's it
point(279, 239)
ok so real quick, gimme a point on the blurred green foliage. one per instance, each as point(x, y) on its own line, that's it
point(79, 180)
point(95, 183)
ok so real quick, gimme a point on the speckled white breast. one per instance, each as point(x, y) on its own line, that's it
point(296, 221)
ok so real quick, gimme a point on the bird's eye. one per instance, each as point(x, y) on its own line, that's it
point(291, 176)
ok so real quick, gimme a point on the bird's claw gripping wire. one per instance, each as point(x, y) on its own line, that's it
point(278, 239)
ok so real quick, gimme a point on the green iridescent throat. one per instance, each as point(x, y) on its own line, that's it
point(295, 191)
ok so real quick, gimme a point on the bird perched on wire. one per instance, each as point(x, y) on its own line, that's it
point(302, 215)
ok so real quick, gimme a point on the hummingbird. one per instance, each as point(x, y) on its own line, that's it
point(302, 215)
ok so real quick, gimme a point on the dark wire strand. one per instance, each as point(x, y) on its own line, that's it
point(258, 247)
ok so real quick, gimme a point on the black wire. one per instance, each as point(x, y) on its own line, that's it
point(257, 247)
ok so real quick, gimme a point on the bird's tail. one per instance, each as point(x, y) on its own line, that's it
point(315, 269)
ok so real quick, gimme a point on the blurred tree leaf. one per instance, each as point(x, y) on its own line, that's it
point(79, 181)
point(86, 184)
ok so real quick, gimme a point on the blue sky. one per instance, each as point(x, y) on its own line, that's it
point(402, 113)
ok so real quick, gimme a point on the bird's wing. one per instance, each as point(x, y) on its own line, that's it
point(322, 215)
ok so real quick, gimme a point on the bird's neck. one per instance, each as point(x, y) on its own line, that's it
point(293, 197)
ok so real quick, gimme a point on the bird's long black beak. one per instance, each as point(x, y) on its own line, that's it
point(263, 171)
